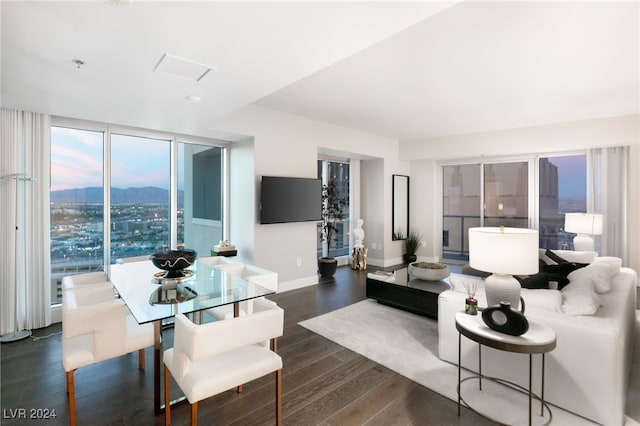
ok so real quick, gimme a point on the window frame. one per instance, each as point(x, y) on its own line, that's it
point(323, 166)
point(533, 185)
point(174, 139)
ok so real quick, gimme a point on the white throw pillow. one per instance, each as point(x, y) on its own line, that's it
point(598, 273)
point(613, 264)
point(583, 283)
point(579, 301)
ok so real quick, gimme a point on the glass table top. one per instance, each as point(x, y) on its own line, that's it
point(206, 288)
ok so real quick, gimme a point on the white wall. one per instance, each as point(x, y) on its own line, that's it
point(372, 208)
point(575, 135)
point(425, 206)
point(242, 200)
point(287, 145)
point(634, 206)
point(578, 135)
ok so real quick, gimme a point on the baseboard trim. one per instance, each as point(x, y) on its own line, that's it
point(296, 284)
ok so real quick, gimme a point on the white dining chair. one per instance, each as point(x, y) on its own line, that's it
point(97, 327)
point(215, 260)
point(131, 259)
point(251, 273)
point(207, 359)
point(71, 281)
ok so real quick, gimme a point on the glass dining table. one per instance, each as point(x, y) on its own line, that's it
point(152, 298)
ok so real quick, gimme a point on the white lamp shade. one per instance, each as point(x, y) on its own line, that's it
point(512, 251)
point(583, 223)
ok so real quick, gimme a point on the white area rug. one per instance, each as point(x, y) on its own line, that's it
point(408, 344)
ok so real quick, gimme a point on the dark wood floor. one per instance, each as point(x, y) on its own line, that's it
point(323, 383)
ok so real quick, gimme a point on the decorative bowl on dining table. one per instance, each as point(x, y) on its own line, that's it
point(174, 262)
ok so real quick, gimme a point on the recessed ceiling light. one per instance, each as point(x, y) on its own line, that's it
point(192, 98)
point(182, 67)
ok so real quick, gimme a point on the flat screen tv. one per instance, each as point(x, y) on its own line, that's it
point(286, 199)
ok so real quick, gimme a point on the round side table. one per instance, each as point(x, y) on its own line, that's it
point(539, 339)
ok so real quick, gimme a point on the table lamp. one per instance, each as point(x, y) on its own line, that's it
point(503, 252)
point(585, 225)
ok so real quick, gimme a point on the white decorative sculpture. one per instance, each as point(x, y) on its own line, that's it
point(358, 234)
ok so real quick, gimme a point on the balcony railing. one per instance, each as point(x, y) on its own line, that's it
point(455, 245)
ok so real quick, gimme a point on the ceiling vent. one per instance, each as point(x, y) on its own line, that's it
point(182, 67)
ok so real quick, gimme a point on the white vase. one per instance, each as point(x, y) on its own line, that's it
point(502, 288)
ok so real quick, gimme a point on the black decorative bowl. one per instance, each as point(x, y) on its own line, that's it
point(174, 261)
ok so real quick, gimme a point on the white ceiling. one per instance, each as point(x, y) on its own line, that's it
point(405, 70)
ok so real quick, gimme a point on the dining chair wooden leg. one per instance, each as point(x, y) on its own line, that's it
point(71, 395)
point(167, 396)
point(194, 414)
point(141, 360)
point(279, 397)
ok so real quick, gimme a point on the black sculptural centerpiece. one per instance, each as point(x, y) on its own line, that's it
point(174, 262)
point(503, 319)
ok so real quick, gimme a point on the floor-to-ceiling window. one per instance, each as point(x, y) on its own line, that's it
point(76, 204)
point(495, 193)
point(506, 194)
point(338, 172)
point(482, 194)
point(117, 194)
point(140, 190)
point(563, 189)
point(461, 208)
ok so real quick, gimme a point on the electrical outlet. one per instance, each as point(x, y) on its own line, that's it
point(374, 246)
point(379, 246)
point(424, 244)
point(299, 262)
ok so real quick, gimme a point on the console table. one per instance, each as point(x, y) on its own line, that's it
point(398, 290)
point(539, 339)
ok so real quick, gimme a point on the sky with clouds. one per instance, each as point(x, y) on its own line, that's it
point(77, 160)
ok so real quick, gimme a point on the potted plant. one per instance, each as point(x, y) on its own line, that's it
point(411, 244)
point(332, 212)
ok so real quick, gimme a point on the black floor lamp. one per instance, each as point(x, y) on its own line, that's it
point(17, 334)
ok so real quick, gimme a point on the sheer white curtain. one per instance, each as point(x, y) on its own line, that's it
point(608, 187)
point(25, 283)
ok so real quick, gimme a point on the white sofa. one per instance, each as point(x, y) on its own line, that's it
point(588, 371)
